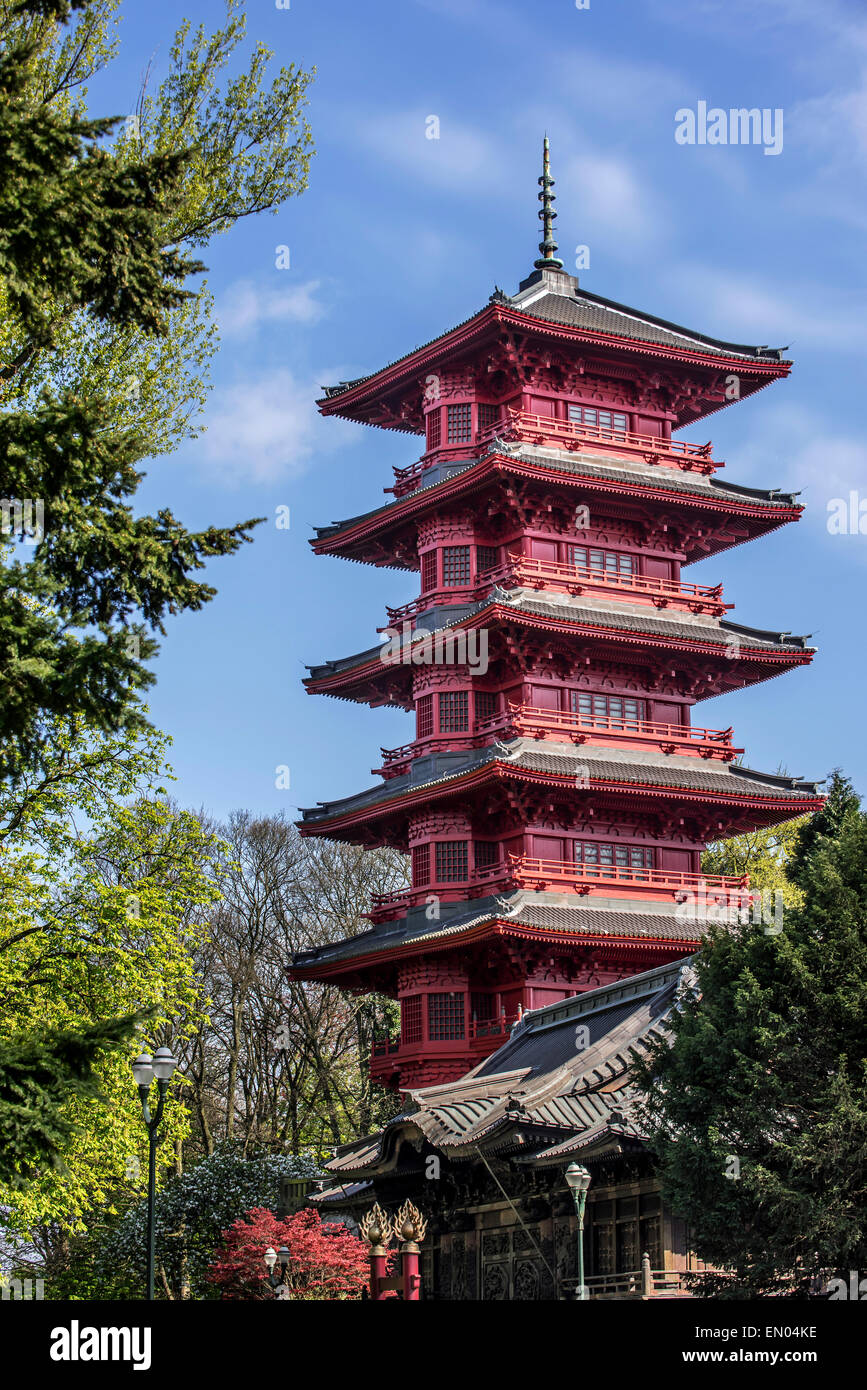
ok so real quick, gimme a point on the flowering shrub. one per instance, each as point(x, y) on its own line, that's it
point(192, 1212)
point(326, 1261)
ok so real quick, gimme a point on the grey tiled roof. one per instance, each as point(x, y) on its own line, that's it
point(577, 308)
point(597, 917)
point(599, 613)
point(604, 765)
point(541, 1080)
point(591, 311)
point(706, 486)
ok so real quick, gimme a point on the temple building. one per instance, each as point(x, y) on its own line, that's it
point(560, 787)
point(485, 1159)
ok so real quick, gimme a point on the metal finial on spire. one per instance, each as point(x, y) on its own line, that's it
point(548, 246)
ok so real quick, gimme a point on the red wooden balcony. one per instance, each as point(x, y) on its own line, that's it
point(521, 426)
point(396, 761)
point(384, 907)
point(569, 579)
point(529, 722)
point(555, 875)
point(662, 593)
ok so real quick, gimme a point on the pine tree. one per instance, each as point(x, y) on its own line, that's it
point(95, 231)
point(38, 1077)
point(758, 1108)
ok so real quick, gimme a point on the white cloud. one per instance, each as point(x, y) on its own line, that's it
point(803, 451)
point(244, 306)
point(263, 429)
point(737, 309)
point(606, 200)
point(462, 159)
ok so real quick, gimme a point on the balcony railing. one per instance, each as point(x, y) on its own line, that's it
point(522, 426)
point(481, 1030)
point(531, 722)
point(662, 593)
point(555, 875)
point(636, 1283)
point(386, 906)
point(540, 875)
point(530, 573)
point(545, 429)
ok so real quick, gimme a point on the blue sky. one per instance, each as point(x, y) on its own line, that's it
point(400, 237)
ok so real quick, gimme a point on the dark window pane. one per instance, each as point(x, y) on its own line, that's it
point(445, 1015)
point(451, 857)
point(456, 565)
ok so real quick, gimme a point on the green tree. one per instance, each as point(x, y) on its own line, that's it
point(104, 349)
point(38, 1076)
point(97, 924)
point(757, 1108)
point(764, 854)
point(192, 1211)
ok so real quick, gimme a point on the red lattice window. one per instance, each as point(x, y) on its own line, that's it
point(487, 557)
point(420, 865)
point(454, 712)
point(410, 1019)
point(460, 427)
point(487, 853)
point(456, 565)
point(488, 416)
point(424, 716)
point(428, 571)
point(487, 704)
point(451, 861)
point(445, 1017)
point(434, 429)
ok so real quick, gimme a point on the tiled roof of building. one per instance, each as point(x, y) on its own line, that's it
point(625, 617)
point(580, 309)
point(557, 299)
point(657, 476)
point(603, 765)
point(596, 917)
point(560, 1082)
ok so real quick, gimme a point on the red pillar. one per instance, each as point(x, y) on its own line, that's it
point(378, 1260)
point(411, 1276)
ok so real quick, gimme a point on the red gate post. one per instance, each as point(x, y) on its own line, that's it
point(409, 1228)
point(376, 1230)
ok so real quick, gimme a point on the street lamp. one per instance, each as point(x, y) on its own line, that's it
point(578, 1180)
point(278, 1281)
point(144, 1069)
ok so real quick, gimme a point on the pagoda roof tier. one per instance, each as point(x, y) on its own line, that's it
point(540, 1096)
point(386, 536)
point(596, 922)
point(621, 773)
point(743, 655)
point(551, 310)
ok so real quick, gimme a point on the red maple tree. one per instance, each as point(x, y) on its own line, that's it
point(326, 1260)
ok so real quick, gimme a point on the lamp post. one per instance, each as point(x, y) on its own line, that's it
point(278, 1281)
point(144, 1069)
point(578, 1180)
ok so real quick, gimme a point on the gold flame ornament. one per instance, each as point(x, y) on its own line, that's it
point(410, 1227)
point(375, 1227)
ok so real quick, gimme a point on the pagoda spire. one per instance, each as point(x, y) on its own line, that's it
point(548, 246)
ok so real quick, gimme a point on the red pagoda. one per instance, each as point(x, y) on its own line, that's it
point(557, 795)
